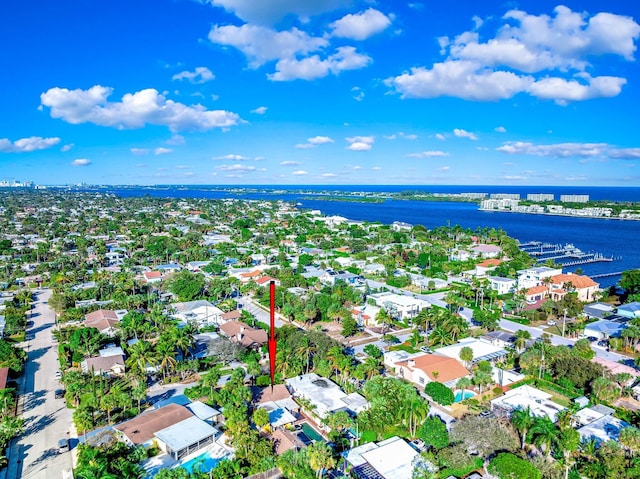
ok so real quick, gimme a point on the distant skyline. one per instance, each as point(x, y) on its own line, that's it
point(320, 92)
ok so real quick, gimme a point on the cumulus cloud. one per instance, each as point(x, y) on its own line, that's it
point(236, 167)
point(81, 162)
point(300, 173)
point(270, 12)
point(289, 163)
point(360, 143)
point(199, 75)
point(139, 151)
point(500, 129)
point(464, 134)
point(360, 26)
point(135, 110)
point(358, 94)
point(313, 67)
point(261, 110)
point(261, 44)
point(176, 140)
point(315, 141)
point(558, 150)
point(232, 157)
point(428, 154)
point(440, 136)
point(67, 147)
point(26, 145)
point(328, 175)
point(162, 151)
point(523, 49)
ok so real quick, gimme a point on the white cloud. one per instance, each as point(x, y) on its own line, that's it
point(289, 163)
point(390, 137)
point(26, 145)
point(182, 167)
point(134, 111)
point(360, 143)
point(360, 26)
point(558, 150)
point(328, 175)
point(376, 168)
point(270, 12)
point(356, 167)
point(409, 137)
point(139, 151)
point(464, 134)
point(319, 140)
point(176, 140)
point(524, 46)
point(358, 94)
point(500, 129)
point(262, 44)
point(67, 147)
point(236, 167)
point(199, 75)
point(444, 168)
point(305, 146)
point(261, 110)
point(81, 162)
point(162, 151)
point(310, 68)
point(625, 153)
point(440, 136)
point(428, 154)
point(300, 173)
point(232, 157)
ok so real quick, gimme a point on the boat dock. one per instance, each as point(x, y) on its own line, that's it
point(571, 255)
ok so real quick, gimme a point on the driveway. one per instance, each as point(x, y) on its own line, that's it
point(34, 455)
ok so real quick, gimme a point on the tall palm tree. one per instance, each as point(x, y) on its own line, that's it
point(166, 357)
point(522, 420)
point(522, 336)
point(141, 354)
point(320, 457)
point(545, 433)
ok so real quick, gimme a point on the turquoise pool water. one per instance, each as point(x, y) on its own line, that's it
point(458, 395)
point(203, 463)
point(311, 432)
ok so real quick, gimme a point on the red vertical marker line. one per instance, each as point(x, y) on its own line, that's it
point(272, 333)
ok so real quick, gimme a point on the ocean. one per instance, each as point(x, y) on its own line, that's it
point(611, 238)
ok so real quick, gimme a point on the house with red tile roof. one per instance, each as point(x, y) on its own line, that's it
point(428, 368)
point(561, 284)
point(240, 333)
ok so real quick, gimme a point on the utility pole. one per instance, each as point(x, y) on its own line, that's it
point(564, 321)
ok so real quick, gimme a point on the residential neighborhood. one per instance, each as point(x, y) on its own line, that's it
point(402, 352)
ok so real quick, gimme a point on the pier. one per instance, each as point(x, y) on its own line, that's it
point(606, 275)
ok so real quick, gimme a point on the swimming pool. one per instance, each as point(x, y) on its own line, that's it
point(202, 463)
point(459, 397)
point(310, 432)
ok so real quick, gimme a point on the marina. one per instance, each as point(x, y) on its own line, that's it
point(564, 255)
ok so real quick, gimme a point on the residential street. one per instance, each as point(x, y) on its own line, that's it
point(34, 455)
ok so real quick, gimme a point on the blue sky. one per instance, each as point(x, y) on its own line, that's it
point(320, 92)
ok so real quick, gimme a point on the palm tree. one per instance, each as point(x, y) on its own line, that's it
point(545, 433)
point(320, 457)
point(522, 421)
point(166, 357)
point(141, 354)
point(522, 336)
point(463, 384)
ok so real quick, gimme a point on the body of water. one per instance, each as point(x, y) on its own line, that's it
point(609, 237)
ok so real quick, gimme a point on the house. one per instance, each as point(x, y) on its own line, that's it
point(426, 368)
point(104, 365)
point(604, 329)
point(392, 458)
point(523, 397)
point(629, 310)
point(265, 280)
point(283, 440)
point(197, 266)
point(486, 250)
point(486, 266)
point(528, 278)
point(598, 310)
point(186, 437)
point(502, 285)
point(152, 276)
point(499, 339)
point(141, 429)
point(168, 268)
point(584, 286)
point(242, 334)
point(399, 306)
point(325, 396)
point(366, 314)
point(536, 293)
point(617, 368)
point(199, 312)
point(232, 315)
point(104, 320)
point(277, 401)
point(483, 350)
point(599, 424)
point(203, 412)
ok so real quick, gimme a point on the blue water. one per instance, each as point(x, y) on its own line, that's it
point(203, 463)
point(612, 238)
point(458, 396)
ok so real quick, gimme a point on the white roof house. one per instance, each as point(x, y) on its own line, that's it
point(482, 350)
point(393, 458)
point(528, 278)
point(325, 395)
point(200, 312)
point(603, 429)
point(402, 306)
point(523, 397)
point(502, 285)
point(186, 437)
point(604, 329)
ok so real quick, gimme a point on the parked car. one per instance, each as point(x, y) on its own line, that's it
point(425, 349)
point(58, 375)
point(592, 338)
point(63, 445)
point(551, 323)
point(60, 393)
point(603, 343)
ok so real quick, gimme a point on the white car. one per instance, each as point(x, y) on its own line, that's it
point(551, 323)
point(58, 375)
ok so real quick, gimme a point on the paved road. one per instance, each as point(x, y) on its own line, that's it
point(261, 314)
point(34, 455)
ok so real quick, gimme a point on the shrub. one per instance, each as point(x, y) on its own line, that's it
point(439, 393)
point(510, 466)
